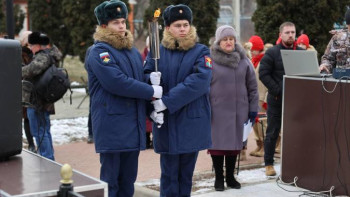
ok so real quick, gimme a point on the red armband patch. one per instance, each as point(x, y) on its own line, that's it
point(208, 63)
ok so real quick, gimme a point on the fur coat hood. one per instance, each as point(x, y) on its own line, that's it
point(183, 44)
point(227, 59)
point(113, 38)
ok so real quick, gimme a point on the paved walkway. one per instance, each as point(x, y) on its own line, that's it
point(265, 189)
point(82, 157)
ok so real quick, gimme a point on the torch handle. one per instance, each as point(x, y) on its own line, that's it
point(156, 70)
point(156, 65)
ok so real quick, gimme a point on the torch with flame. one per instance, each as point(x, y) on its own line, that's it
point(156, 13)
point(153, 29)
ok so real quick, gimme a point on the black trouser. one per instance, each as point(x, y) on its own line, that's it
point(27, 132)
point(148, 140)
point(230, 163)
point(274, 112)
point(218, 163)
point(89, 121)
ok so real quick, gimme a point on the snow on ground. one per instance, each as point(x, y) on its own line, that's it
point(67, 130)
point(64, 131)
point(245, 177)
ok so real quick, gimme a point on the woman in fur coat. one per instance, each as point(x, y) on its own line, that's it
point(234, 101)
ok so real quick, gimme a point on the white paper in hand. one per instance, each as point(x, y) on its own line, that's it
point(247, 128)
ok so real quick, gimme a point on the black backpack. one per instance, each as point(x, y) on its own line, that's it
point(52, 84)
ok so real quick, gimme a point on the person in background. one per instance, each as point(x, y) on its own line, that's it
point(267, 46)
point(248, 49)
point(233, 100)
point(258, 52)
point(304, 42)
point(336, 53)
point(279, 40)
point(185, 69)
point(39, 111)
point(118, 96)
point(27, 56)
point(271, 73)
point(278, 143)
point(145, 50)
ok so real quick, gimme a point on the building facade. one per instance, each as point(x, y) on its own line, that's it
point(238, 13)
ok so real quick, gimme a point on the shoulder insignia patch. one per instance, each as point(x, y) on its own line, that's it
point(208, 62)
point(105, 57)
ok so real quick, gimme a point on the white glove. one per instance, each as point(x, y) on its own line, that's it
point(158, 91)
point(155, 78)
point(159, 105)
point(157, 117)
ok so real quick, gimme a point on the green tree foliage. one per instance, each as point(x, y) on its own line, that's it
point(205, 15)
point(69, 24)
point(312, 17)
point(45, 16)
point(18, 18)
point(80, 19)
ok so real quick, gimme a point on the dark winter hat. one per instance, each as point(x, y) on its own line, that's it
point(110, 10)
point(177, 12)
point(347, 17)
point(38, 38)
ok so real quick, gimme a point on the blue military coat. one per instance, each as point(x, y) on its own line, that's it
point(186, 77)
point(117, 93)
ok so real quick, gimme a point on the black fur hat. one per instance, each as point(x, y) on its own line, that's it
point(38, 38)
point(177, 12)
point(347, 17)
point(109, 10)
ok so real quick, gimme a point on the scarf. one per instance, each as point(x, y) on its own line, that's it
point(230, 59)
point(256, 59)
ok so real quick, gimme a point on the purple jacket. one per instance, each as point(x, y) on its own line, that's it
point(233, 94)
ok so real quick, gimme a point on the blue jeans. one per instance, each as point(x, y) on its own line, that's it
point(177, 172)
point(39, 122)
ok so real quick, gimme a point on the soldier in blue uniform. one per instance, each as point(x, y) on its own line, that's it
point(185, 68)
point(118, 95)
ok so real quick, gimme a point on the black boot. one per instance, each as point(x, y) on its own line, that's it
point(218, 162)
point(230, 162)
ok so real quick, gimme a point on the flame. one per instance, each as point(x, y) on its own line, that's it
point(157, 13)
